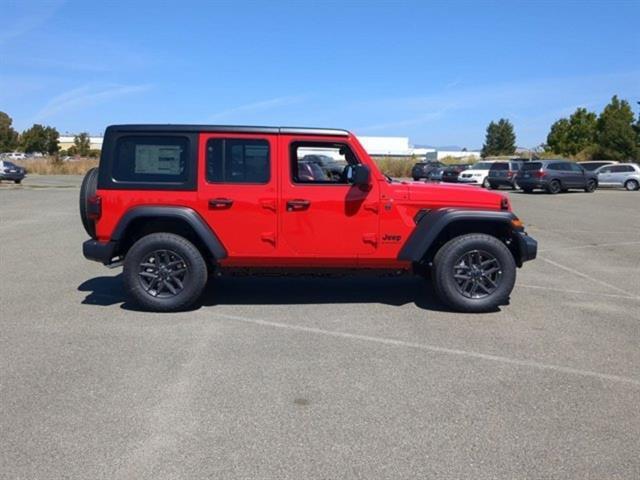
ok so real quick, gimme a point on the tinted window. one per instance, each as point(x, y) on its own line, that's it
point(574, 168)
point(320, 163)
point(622, 168)
point(237, 161)
point(555, 166)
point(500, 166)
point(593, 166)
point(152, 159)
point(531, 166)
point(482, 166)
point(605, 170)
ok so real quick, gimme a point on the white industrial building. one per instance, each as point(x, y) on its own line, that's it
point(66, 141)
point(401, 147)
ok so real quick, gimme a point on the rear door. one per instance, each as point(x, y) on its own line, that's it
point(605, 176)
point(237, 188)
point(323, 217)
point(576, 175)
point(619, 173)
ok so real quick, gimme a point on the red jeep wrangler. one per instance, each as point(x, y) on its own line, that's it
point(175, 203)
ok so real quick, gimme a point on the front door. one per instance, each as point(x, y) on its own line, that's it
point(237, 190)
point(323, 216)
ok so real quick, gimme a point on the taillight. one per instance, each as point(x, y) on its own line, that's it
point(539, 174)
point(94, 207)
point(509, 174)
point(504, 203)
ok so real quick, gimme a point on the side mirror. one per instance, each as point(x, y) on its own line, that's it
point(358, 175)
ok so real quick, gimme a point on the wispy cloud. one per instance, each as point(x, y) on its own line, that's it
point(87, 96)
point(259, 106)
point(20, 18)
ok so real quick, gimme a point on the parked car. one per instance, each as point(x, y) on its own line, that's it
point(14, 156)
point(422, 169)
point(172, 203)
point(435, 174)
point(503, 174)
point(11, 171)
point(555, 176)
point(593, 165)
point(451, 172)
point(477, 174)
point(625, 175)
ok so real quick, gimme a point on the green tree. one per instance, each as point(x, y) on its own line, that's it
point(82, 143)
point(616, 138)
point(40, 139)
point(8, 136)
point(575, 135)
point(500, 139)
point(558, 137)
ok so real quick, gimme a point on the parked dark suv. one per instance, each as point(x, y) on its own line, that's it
point(555, 176)
point(503, 174)
point(423, 169)
point(450, 174)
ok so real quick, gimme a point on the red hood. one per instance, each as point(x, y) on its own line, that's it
point(438, 195)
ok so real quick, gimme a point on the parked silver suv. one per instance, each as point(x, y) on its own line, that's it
point(625, 175)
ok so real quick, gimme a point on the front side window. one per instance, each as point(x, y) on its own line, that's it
point(320, 163)
point(153, 159)
point(231, 160)
point(574, 167)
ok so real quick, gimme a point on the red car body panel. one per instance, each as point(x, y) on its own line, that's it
point(333, 225)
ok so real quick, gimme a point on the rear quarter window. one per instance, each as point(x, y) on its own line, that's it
point(148, 161)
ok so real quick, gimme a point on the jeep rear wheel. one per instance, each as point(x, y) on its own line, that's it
point(474, 273)
point(632, 185)
point(164, 272)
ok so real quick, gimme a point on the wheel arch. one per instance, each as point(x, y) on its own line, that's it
point(435, 228)
point(183, 221)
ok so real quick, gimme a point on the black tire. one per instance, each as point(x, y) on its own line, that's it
point(415, 179)
point(447, 261)
point(632, 185)
point(554, 187)
point(493, 186)
point(591, 186)
point(486, 183)
point(181, 264)
point(87, 190)
point(527, 190)
point(18, 181)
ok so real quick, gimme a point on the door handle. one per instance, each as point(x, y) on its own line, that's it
point(297, 204)
point(220, 203)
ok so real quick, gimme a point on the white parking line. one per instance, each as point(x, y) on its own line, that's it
point(588, 277)
point(436, 349)
point(578, 292)
point(577, 247)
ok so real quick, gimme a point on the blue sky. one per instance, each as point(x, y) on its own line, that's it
point(437, 72)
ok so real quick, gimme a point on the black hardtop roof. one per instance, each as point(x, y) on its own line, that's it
point(227, 128)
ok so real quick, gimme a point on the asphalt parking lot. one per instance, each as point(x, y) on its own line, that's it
point(322, 378)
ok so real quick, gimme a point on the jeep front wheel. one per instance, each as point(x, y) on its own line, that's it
point(164, 272)
point(474, 273)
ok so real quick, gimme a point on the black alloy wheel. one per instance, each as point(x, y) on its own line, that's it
point(163, 273)
point(477, 274)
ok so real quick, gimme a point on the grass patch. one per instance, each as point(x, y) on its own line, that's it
point(54, 166)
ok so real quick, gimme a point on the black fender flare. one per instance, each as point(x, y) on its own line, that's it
point(432, 223)
point(190, 216)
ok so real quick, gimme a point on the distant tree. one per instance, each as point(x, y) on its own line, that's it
point(575, 135)
point(616, 138)
point(8, 136)
point(500, 139)
point(82, 143)
point(40, 139)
